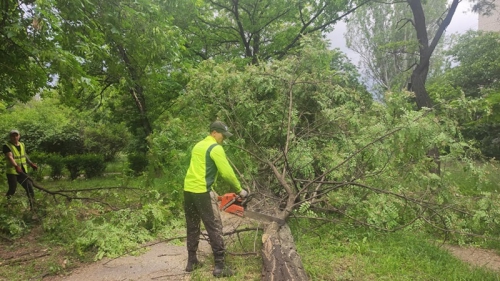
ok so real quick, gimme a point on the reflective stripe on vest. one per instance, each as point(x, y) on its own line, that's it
point(19, 156)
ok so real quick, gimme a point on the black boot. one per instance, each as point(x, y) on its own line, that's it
point(193, 262)
point(221, 270)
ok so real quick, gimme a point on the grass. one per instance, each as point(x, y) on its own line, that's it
point(468, 180)
point(336, 252)
point(57, 223)
point(328, 251)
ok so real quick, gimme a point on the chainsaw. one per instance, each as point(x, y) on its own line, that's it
point(234, 204)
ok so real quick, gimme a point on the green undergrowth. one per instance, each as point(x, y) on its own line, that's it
point(107, 217)
point(340, 252)
point(243, 257)
point(117, 214)
point(472, 180)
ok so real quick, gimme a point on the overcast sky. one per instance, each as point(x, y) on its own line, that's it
point(462, 21)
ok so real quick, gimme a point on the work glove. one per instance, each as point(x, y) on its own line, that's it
point(243, 193)
point(34, 166)
point(19, 170)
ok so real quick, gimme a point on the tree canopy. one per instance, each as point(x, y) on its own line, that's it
point(384, 36)
point(25, 49)
point(256, 30)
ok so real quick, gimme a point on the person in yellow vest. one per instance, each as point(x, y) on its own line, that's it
point(17, 166)
point(208, 160)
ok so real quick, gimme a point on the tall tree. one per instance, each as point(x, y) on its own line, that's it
point(385, 40)
point(120, 53)
point(427, 43)
point(25, 48)
point(259, 29)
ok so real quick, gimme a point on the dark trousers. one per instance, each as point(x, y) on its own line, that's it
point(203, 207)
point(26, 183)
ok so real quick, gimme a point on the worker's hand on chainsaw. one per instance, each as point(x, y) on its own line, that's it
point(19, 170)
point(243, 193)
point(34, 166)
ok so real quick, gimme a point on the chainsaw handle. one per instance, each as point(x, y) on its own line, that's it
point(244, 201)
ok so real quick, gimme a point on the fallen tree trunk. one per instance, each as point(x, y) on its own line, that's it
point(279, 255)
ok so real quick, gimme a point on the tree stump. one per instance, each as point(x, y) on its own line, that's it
point(280, 258)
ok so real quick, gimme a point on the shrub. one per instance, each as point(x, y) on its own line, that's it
point(137, 163)
point(92, 165)
point(73, 164)
point(56, 163)
point(106, 140)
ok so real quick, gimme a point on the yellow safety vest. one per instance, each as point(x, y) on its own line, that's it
point(19, 156)
point(208, 159)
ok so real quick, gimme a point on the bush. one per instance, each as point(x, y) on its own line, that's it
point(73, 164)
point(106, 139)
point(56, 163)
point(137, 163)
point(92, 165)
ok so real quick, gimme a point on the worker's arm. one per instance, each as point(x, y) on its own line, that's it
point(10, 158)
point(225, 170)
point(33, 165)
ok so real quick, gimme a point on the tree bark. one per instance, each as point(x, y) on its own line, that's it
point(419, 74)
point(279, 255)
point(136, 92)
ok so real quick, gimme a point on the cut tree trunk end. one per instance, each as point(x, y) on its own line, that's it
point(279, 255)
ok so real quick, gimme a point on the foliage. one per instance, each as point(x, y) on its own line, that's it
point(341, 154)
point(106, 140)
point(112, 238)
point(46, 126)
point(386, 41)
point(119, 59)
point(39, 123)
point(254, 100)
point(475, 63)
point(307, 133)
point(93, 165)
point(11, 224)
point(92, 227)
point(137, 163)
point(73, 165)
point(341, 252)
point(115, 233)
point(474, 68)
point(255, 30)
point(26, 49)
point(56, 163)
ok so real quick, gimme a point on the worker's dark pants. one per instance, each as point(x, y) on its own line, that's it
point(203, 207)
point(26, 183)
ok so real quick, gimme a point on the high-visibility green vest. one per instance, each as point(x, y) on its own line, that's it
point(208, 159)
point(19, 156)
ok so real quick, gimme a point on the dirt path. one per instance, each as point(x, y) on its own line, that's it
point(477, 257)
point(161, 262)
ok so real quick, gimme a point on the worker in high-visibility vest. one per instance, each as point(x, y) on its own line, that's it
point(208, 161)
point(17, 166)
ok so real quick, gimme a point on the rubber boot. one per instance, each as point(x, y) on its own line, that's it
point(221, 270)
point(193, 262)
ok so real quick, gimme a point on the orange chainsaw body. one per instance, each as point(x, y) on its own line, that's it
point(231, 203)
